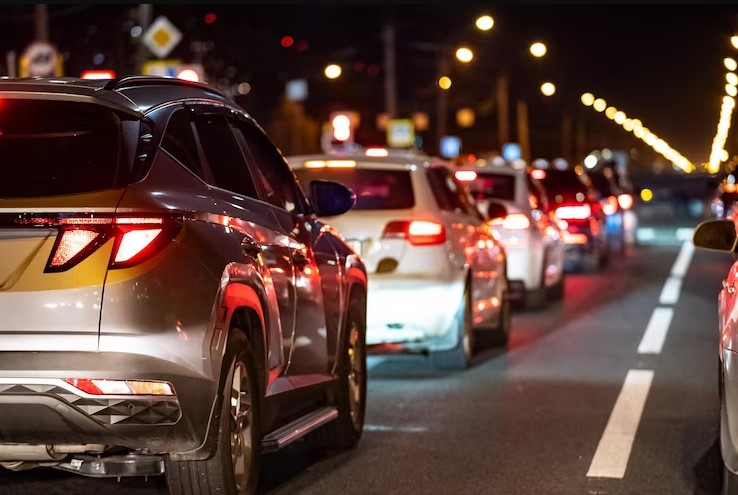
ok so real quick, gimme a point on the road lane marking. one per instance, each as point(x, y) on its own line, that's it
point(613, 451)
point(670, 292)
point(683, 259)
point(658, 326)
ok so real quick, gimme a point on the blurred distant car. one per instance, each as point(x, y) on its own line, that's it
point(720, 235)
point(724, 199)
point(516, 204)
point(616, 202)
point(575, 201)
point(436, 272)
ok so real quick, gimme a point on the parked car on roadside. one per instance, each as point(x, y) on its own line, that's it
point(437, 275)
point(170, 302)
point(517, 206)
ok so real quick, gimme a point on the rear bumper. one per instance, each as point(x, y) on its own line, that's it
point(37, 407)
point(416, 312)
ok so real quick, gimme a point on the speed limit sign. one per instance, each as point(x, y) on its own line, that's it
point(40, 59)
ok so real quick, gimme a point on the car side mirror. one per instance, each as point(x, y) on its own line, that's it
point(331, 198)
point(717, 235)
point(496, 210)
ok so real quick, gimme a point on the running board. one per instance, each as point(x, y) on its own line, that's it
point(298, 428)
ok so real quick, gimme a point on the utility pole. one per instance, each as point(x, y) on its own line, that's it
point(390, 77)
point(145, 11)
point(41, 21)
point(566, 138)
point(523, 133)
point(442, 100)
point(503, 109)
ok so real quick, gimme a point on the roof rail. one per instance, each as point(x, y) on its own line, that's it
point(127, 82)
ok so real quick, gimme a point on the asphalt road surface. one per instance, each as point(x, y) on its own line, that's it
point(611, 391)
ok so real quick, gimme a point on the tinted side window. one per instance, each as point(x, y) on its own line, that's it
point(223, 155)
point(179, 141)
point(449, 193)
point(537, 200)
point(443, 196)
point(277, 180)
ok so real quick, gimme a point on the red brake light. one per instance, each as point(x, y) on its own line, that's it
point(135, 239)
point(417, 232)
point(625, 201)
point(574, 212)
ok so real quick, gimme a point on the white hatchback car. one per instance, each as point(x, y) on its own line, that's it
point(516, 203)
point(436, 272)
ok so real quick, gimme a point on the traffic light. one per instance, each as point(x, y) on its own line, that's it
point(343, 125)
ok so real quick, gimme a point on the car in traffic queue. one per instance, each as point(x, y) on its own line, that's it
point(170, 302)
point(516, 205)
point(720, 235)
point(575, 203)
point(437, 275)
point(616, 204)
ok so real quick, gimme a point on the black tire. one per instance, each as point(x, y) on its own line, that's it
point(535, 299)
point(730, 482)
point(556, 291)
point(460, 356)
point(345, 431)
point(216, 475)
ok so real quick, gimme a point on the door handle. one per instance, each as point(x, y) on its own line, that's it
point(250, 247)
point(728, 287)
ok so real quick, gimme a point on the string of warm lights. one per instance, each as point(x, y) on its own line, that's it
point(639, 130)
point(718, 153)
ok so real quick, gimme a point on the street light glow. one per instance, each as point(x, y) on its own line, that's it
point(731, 90)
point(538, 49)
point(730, 64)
point(619, 117)
point(485, 22)
point(444, 82)
point(588, 99)
point(599, 105)
point(610, 112)
point(734, 41)
point(333, 71)
point(464, 55)
point(590, 161)
point(548, 88)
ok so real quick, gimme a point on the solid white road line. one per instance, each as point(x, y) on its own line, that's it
point(613, 451)
point(683, 259)
point(658, 325)
point(670, 292)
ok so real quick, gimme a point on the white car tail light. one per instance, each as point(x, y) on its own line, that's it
point(416, 232)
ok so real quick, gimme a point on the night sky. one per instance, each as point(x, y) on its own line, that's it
point(660, 63)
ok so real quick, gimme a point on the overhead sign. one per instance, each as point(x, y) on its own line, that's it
point(40, 59)
point(168, 68)
point(161, 37)
point(297, 90)
point(400, 133)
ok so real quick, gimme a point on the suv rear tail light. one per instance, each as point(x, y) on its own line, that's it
point(135, 239)
point(417, 232)
point(574, 212)
point(513, 221)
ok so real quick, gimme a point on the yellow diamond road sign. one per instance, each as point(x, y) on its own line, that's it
point(161, 37)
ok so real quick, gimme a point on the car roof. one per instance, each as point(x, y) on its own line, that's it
point(363, 161)
point(135, 95)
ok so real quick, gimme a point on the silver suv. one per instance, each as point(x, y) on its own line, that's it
point(169, 301)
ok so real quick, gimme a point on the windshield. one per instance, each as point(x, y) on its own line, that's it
point(50, 148)
point(375, 189)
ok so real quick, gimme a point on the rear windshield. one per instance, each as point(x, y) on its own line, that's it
point(566, 183)
point(50, 148)
point(375, 189)
point(498, 186)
